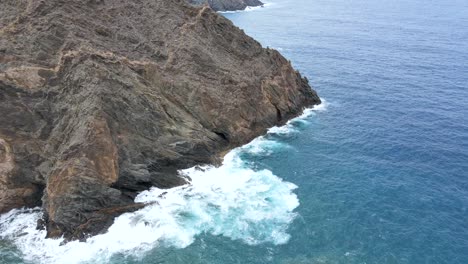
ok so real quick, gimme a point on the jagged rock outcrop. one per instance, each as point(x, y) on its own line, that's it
point(227, 5)
point(101, 99)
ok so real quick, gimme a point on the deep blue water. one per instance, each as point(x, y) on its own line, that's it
point(382, 173)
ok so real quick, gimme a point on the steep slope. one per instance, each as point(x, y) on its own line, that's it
point(102, 99)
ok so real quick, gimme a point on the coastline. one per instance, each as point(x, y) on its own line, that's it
point(229, 184)
point(227, 5)
point(163, 110)
point(266, 4)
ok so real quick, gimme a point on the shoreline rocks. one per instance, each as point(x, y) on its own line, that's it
point(101, 100)
point(227, 5)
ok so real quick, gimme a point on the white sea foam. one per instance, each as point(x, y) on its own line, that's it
point(290, 127)
point(233, 200)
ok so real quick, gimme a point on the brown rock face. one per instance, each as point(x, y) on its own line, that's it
point(102, 99)
point(13, 193)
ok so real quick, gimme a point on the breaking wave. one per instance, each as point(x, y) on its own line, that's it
point(248, 9)
point(232, 200)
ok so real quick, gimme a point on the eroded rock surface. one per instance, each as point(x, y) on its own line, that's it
point(102, 99)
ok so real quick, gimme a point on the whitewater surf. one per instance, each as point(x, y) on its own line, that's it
point(233, 200)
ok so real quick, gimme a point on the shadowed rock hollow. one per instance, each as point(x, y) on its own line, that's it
point(102, 99)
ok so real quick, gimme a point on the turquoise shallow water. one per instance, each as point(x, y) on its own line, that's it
point(381, 171)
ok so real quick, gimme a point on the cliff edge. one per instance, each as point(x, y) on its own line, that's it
point(102, 99)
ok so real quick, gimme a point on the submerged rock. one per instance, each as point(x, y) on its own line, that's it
point(227, 5)
point(102, 99)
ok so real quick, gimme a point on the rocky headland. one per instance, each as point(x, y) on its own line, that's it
point(226, 5)
point(101, 99)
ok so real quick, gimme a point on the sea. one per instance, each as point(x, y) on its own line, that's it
point(378, 173)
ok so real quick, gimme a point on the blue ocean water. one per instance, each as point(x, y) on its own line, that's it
point(378, 174)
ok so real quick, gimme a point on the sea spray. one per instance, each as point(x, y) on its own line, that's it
point(232, 200)
point(249, 8)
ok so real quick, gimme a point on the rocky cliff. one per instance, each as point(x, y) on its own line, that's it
point(101, 99)
point(227, 5)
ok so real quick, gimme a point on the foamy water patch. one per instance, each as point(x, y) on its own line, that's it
point(292, 125)
point(249, 8)
point(262, 146)
point(232, 200)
